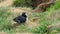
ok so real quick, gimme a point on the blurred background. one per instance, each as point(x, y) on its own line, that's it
point(43, 16)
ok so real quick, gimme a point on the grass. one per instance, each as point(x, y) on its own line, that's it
point(44, 21)
point(6, 20)
point(44, 18)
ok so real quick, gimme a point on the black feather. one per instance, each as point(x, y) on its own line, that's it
point(20, 19)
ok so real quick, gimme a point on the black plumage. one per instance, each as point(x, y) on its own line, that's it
point(21, 19)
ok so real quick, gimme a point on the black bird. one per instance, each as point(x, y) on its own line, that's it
point(20, 19)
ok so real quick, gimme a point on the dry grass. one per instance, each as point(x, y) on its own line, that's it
point(3, 32)
point(6, 3)
point(31, 21)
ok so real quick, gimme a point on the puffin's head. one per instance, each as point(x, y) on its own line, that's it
point(24, 14)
